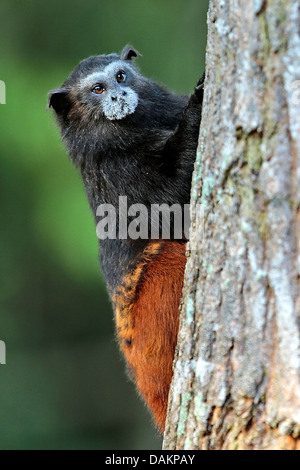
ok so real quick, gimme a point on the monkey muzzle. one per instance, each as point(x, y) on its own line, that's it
point(119, 104)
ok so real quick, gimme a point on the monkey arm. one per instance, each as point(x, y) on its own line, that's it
point(184, 139)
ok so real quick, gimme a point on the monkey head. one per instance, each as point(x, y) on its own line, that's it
point(99, 87)
point(107, 105)
point(109, 91)
point(100, 92)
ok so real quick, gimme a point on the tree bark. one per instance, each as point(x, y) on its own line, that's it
point(236, 381)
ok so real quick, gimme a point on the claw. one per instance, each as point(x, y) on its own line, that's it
point(200, 84)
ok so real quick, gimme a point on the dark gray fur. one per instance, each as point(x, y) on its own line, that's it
point(147, 155)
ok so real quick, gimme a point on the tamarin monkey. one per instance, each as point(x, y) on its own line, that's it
point(129, 136)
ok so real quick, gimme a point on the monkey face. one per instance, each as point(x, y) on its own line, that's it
point(109, 91)
point(99, 87)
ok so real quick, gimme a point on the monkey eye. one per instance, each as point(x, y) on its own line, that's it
point(98, 89)
point(121, 76)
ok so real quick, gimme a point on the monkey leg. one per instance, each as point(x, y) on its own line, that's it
point(147, 327)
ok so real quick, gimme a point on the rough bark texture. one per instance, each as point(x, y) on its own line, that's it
point(236, 378)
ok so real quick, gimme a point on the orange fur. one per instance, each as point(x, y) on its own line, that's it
point(147, 318)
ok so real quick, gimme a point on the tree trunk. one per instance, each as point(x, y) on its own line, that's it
point(236, 381)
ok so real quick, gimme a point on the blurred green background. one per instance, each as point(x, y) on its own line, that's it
point(64, 385)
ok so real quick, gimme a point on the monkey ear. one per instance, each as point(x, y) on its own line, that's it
point(58, 100)
point(129, 52)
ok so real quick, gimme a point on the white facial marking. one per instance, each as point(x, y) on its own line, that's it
point(91, 79)
point(117, 100)
point(122, 106)
point(107, 73)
